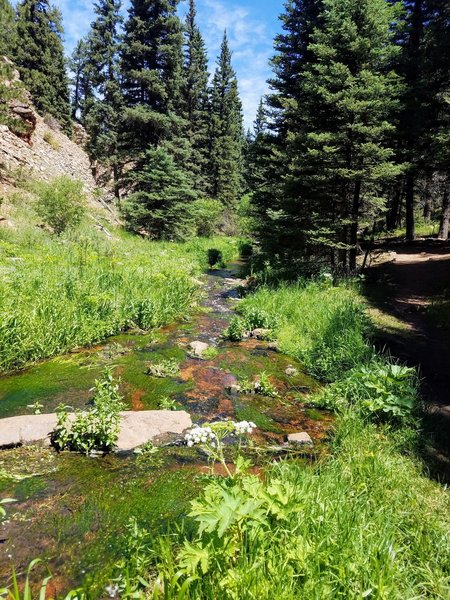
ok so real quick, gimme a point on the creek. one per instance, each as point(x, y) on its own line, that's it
point(73, 511)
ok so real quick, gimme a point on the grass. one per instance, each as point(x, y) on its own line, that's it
point(364, 524)
point(58, 293)
point(325, 327)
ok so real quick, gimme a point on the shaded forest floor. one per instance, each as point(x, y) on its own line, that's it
point(404, 288)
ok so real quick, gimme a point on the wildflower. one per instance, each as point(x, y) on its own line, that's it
point(244, 427)
point(112, 590)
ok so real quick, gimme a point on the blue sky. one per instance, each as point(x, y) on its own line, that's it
point(251, 26)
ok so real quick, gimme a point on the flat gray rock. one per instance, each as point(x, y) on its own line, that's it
point(197, 348)
point(136, 429)
point(300, 438)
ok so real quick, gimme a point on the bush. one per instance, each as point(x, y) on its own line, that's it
point(61, 203)
point(380, 390)
point(236, 329)
point(207, 216)
point(96, 429)
point(215, 257)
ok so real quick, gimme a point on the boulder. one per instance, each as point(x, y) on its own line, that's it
point(197, 348)
point(136, 428)
point(260, 333)
point(300, 438)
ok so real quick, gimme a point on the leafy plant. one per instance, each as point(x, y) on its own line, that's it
point(4, 501)
point(379, 389)
point(167, 403)
point(17, 591)
point(96, 429)
point(262, 385)
point(207, 214)
point(236, 329)
point(60, 203)
point(164, 368)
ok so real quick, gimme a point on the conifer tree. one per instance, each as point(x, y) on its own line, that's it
point(7, 28)
point(152, 70)
point(337, 151)
point(227, 135)
point(39, 55)
point(160, 204)
point(195, 94)
point(81, 80)
point(104, 111)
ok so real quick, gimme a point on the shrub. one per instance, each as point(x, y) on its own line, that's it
point(61, 203)
point(51, 140)
point(207, 215)
point(380, 390)
point(96, 429)
point(236, 329)
point(215, 257)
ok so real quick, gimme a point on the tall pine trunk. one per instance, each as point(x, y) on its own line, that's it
point(409, 198)
point(354, 227)
point(445, 216)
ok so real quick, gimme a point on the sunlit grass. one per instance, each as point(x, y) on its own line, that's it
point(57, 293)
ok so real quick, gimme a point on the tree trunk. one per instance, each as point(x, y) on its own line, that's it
point(409, 198)
point(445, 216)
point(354, 227)
point(427, 205)
point(394, 211)
point(116, 182)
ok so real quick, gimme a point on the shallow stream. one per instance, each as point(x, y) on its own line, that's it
point(73, 510)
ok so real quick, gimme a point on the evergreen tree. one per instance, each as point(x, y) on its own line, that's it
point(195, 94)
point(160, 204)
point(336, 134)
point(39, 55)
point(7, 28)
point(227, 136)
point(152, 70)
point(81, 80)
point(104, 111)
point(293, 54)
point(256, 153)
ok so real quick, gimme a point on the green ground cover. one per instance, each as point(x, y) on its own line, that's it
point(62, 292)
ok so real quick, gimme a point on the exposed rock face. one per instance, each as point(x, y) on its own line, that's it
point(136, 428)
point(42, 149)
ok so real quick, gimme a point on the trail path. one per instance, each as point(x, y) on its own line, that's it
point(404, 287)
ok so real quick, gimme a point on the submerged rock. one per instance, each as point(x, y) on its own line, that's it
point(300, 438)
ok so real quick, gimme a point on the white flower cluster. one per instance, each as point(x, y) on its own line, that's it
point(244, 427)
point(199, 435)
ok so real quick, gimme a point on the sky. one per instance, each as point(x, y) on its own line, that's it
point(251, 26)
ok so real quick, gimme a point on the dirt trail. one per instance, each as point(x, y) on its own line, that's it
point(403, 288)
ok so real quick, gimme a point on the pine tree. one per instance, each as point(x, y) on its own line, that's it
point(227, 135)
point(293, 54)
point(81, 80)
point(195, 94)
point(160, 204)
point(257, 144)
point(152, 69)
point(337, 151)
point(7, 28)
point(39, 55)
point(104, 111)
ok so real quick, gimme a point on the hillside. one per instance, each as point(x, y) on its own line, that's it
point(44, 151)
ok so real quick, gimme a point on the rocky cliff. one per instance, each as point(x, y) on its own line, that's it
point(41, 150)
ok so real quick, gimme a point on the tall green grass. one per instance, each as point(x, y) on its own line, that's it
point(57, 293)
point(365, 523)
point(323, 326)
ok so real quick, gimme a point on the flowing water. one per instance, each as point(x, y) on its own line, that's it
point(73, 510)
